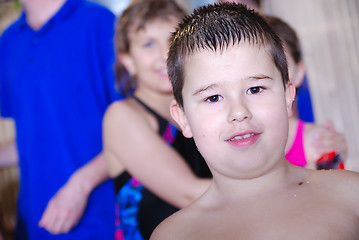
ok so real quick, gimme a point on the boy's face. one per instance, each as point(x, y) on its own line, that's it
point(146, 59)
point(236, 108)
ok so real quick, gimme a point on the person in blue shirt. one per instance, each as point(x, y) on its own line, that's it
point(56, 81)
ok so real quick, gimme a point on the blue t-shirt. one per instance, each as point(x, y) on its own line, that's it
point(56, 83)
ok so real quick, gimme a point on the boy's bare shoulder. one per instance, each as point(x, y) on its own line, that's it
point(337, 178)
point(341, 179)
point(325, 196)
point(339, 184)
point(166, 229)
point(175, 225)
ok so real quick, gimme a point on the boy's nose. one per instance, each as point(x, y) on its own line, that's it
point(239, 112)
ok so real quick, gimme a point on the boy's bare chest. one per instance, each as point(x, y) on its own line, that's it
point(274, 220)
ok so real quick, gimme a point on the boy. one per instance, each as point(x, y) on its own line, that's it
point(230, 81)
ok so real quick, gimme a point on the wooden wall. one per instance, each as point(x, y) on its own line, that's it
point(329, 33)
point(9, 174)
point(8, 13)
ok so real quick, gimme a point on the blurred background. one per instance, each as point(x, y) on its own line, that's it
point(329, 34)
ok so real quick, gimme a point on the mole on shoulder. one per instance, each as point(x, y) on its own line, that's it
point(300, 183)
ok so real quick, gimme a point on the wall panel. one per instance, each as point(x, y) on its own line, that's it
point(329, 33)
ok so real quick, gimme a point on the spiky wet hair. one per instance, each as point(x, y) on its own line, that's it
point(215, 28)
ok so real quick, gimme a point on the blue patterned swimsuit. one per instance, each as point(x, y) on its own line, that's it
point(138, 211)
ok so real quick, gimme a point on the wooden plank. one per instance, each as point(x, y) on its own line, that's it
point(329, 33)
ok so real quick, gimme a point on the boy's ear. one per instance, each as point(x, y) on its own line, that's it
point(290, 96)
point(179, 116)
point(126, 60)
point(299, 74)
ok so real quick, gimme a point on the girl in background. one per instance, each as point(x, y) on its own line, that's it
point(307, 142)
point(156, 170)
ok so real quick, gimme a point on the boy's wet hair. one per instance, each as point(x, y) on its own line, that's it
point(134, 18)
point(288, 36)
point(256, 3)
point(215, 28)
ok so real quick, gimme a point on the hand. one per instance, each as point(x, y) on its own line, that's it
point(327, 139)
point(8, 155)
point(65, 209)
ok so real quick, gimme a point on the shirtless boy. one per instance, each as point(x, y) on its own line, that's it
point(230, 80)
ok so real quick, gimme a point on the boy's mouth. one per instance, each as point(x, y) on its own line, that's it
point(240, 137)
point(244, 139)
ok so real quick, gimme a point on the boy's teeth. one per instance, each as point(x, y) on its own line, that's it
point(243, 137)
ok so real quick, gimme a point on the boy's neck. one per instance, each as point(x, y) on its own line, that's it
point(280, 178)
point(38, 12)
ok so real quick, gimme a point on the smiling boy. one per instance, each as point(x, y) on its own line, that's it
point(230, 81)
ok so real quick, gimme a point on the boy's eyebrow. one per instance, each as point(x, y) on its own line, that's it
point(202, 89)
point(259, 77)
point(214, 85)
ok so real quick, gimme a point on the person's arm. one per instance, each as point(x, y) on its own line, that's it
point(66, 208)
point(132, 143)
point(8, 155)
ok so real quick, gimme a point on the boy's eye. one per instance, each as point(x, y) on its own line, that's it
point(254, 90)
point(214, 98)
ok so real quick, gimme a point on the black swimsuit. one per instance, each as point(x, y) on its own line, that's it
point(140, 211)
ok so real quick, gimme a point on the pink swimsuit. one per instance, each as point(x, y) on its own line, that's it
point(296, 154)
